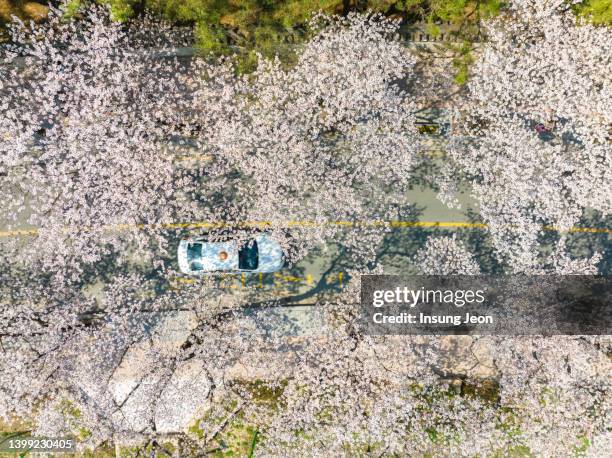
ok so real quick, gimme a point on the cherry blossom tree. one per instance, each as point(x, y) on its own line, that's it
point(446, 256)
point(331, 138)
point(86, 135)
point(534, 137)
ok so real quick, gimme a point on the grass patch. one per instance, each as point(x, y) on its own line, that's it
point(428, 129)
point(487, 390)
point(262, 392)
point(462, 62)
point(597, 12)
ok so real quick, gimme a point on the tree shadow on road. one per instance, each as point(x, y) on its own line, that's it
point(586, 244)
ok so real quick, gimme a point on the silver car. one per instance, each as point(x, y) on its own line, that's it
point(258, 254)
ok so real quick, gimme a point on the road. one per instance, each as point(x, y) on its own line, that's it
point(323, 270)
point(433, 217)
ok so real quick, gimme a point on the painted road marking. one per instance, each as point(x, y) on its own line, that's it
point(277, 281)
point(290, 224)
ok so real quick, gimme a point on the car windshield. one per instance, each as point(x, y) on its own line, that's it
point(194, 251)
point(248, 256)
point(195, 265)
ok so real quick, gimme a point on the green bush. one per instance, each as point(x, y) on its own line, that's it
point(269, 27)
point(122, 10)
point(598, 12)
point(210, 38)
point(462, 63)
point(251, 22)
point(71, 8)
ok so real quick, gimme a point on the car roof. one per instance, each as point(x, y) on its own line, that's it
point(270, 253)
point(210, 255)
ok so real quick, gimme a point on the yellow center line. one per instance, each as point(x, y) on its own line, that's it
point(436, 224)
point(18, 232)
point(302, 223)
point(289, 224)
point(582, 229)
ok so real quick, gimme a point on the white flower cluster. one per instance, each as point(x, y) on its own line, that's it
point(330, 139)
point(85, 136)
point(534, 137)
point(446, 256)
